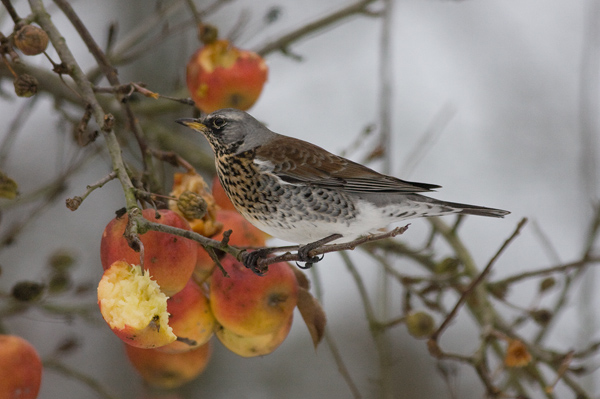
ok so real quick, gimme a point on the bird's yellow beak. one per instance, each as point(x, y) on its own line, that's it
point(192, 124)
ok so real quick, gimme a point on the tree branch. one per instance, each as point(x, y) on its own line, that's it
point(283, 42)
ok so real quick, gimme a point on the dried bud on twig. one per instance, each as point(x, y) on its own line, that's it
point(207, 33)
point(25, 85)
point(516, 354)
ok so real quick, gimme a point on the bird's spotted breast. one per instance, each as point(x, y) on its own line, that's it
point(274, 205)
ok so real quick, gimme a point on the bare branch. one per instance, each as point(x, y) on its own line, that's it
point(476, 282)
point(283, 42)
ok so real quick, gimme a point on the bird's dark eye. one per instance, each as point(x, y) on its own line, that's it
point(219, 123)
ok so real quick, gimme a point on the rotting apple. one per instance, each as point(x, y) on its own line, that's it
point(168, 370)
point(134, 306)
point(171, 259)
point(190, 318)
point(20, 368)
point(254, 345)
point(220, 75)
point(191, 181)
point(247, 304)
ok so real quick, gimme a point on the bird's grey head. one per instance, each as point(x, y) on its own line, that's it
point(230, 131)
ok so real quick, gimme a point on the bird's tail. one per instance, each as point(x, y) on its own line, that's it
point(465, 209)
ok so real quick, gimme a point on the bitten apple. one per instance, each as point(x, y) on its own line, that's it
point(255, 345)
point(20, 368)
point(247, 304)
point(168, 370)
point(220, 75)
point(190, 318)
point(134, 306)
point(170, 259)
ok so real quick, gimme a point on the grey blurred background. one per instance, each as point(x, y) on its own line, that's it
point(501, 84)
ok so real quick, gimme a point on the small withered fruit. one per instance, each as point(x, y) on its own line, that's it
point(25, 85)
point(31, 40)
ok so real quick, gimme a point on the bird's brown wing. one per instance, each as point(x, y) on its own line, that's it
point(296, 161)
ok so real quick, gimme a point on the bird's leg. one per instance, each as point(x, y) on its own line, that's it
point(303, 251)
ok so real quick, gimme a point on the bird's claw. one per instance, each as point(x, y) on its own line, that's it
point(251, 259)
point(303, 256)
point(309, 262)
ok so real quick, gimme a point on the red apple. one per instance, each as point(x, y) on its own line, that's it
point(20, 368)
point(220, 75)
point(250, 305)
point(134, 306)
point(168, 370)
point(190, 317)
point(171, 259)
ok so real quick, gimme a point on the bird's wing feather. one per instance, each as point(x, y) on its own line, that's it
point(296, 161)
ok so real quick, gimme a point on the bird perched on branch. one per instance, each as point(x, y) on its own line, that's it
point(301, 193)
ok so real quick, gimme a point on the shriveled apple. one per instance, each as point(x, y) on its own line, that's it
point(193, 182)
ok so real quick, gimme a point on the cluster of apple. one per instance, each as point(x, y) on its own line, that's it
point(20, 368)
point(167, 304)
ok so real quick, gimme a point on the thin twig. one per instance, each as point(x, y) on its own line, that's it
point(476, 282)
point(92, 383)
point(145, 225)
point(377, 332)
point(11, 11)
point(109, 71)
point(287, 257)
point(330, 340)
point(547, 270)
point(592, 235)
point(428, 138)
point(362, 291)
point(105, 121)
point(74, 202)
point(284, 41)
point(15, 127)
point(173, 158)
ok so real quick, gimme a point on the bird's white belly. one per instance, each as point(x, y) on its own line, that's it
point(369, 220)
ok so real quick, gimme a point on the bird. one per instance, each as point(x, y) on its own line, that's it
point(301, 193)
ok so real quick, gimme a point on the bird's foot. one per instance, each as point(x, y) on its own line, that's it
point(250, 260)
point(304, 251)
